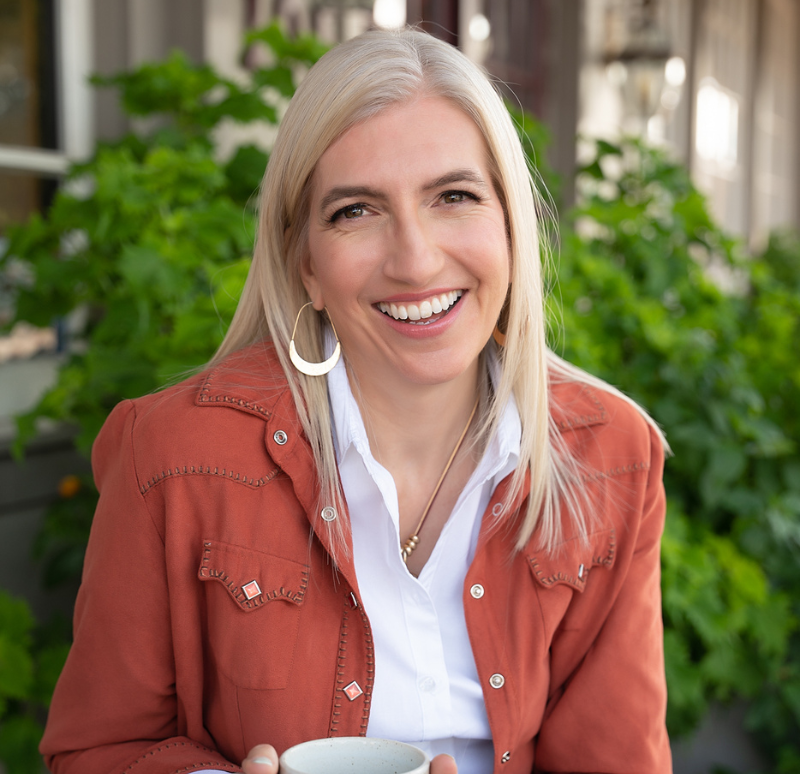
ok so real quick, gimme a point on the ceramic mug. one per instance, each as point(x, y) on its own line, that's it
point(354, 755)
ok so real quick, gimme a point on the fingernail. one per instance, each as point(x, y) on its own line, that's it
point(264, 761)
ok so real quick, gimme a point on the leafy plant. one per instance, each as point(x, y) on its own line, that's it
point(30, 662)
point(657, 300)
point(148, 244)
point(144, 253)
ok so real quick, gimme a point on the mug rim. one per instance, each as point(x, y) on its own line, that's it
point(336, 741)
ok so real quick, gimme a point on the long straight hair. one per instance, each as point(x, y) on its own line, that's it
point(351, 83)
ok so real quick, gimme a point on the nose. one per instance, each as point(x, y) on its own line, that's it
point(414, 256)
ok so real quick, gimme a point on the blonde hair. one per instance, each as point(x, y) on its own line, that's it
point(350, 84)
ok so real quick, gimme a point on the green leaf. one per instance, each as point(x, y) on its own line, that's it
point(19, 745)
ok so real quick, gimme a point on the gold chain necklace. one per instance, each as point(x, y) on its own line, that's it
point(413, 541)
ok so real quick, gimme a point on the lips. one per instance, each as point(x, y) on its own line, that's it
point(422, 310)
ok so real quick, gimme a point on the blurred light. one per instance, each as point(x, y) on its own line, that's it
point(656, 129)
point(717, 129)
point(479, 28)
point(617, 73)
point(670, 98)
point(675, 71)
point(389, 14)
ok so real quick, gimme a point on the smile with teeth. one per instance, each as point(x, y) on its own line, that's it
point(420, 313)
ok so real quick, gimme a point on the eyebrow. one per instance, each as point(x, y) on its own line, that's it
point(348, 192)
point(456, 176)
point(362, 191)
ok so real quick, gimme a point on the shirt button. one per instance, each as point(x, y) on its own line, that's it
point(280, 437)
point(328, 513)
point(497, 681)
point(477, 591)
point(427, 684)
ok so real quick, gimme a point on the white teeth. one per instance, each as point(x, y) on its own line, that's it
point(424, 310)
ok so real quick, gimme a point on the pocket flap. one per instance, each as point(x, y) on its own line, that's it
point(571, 562)
point(253, 578)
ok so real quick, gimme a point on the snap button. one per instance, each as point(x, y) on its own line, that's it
point(427, 685)
point(506, 757)
point(497, 509)
point(497, 681)
point(280, 437)
point(251, 589)
point(352, 691)
point(477, 591)
point(328, 513)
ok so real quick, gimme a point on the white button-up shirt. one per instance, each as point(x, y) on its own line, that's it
point(426, 688)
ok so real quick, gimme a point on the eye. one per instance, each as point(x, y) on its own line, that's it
point(350, 212)
point(456, 197)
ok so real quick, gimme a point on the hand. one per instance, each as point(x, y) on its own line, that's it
point(263, 759)
point(443, 764)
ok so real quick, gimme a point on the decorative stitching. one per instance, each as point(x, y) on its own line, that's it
point(207, 764)
point(337, 693)
point(200, 470)
point(336, 711)
point(239, 595)
point(370, 668)
point(205, 397)
point(599, 560)
point(608, 560)
point(632, 468)
point(585, 419)
point(559, 576)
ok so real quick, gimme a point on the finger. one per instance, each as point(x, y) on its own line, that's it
point(262, 759)
point(443, 764)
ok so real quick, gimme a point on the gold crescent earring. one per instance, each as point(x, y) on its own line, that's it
point(304, 366)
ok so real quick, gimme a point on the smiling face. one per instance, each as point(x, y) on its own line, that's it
point(407, 246)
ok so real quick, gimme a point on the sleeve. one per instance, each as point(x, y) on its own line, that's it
point(608, 713)
point(115, 707)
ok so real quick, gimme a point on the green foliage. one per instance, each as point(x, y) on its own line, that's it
point(30, 661)
point(145, 251)
point(148, 243)
point(658, 301)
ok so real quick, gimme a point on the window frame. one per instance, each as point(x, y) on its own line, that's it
point(74, 58)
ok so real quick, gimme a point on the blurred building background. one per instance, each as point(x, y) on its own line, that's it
point(717, 82)
point(714, 80)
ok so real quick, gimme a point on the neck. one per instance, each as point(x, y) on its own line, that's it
point(415, 426)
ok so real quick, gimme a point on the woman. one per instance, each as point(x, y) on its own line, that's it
point(377, 512)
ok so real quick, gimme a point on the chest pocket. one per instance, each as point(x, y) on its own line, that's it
point(570, 564)
point(254, 605)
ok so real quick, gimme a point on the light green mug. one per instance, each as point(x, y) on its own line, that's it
point(354, 755)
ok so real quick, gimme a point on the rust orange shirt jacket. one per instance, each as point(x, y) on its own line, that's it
point(178, 664)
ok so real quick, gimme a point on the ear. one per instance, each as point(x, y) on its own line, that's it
point(312, 285)
point(307, 274)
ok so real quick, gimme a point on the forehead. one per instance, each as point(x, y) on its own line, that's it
point(427, 136)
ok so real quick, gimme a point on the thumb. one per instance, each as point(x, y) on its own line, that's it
point(262, 759)
point(443, 764)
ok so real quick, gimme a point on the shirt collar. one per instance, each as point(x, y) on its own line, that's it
point(348, 426)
